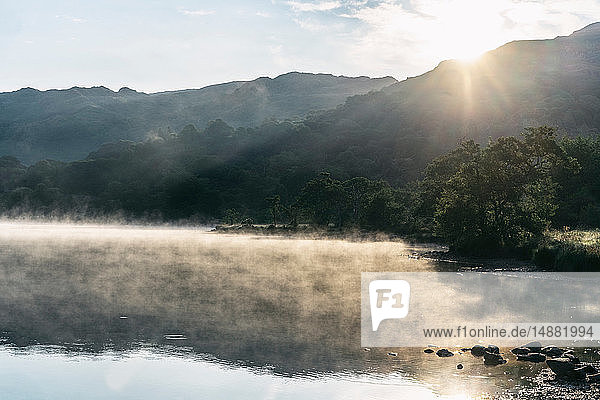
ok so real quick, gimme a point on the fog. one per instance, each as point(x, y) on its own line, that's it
point(291, 305)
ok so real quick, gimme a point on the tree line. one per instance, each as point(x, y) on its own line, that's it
point(503, 195)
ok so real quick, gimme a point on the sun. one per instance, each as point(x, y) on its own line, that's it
point(469, 51)
point(468, 54)
point(467, 28)
point(468, 42)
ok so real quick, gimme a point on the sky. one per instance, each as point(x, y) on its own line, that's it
point(152, 45)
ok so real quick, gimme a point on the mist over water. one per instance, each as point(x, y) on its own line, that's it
point(270, 309)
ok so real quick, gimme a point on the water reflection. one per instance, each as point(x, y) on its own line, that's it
point(144, 375)
point(278, 307)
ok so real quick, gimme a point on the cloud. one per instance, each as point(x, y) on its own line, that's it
point(196, 13)
point(312, 7)
point(311, 25)
point(410, 37)
point(262, 14)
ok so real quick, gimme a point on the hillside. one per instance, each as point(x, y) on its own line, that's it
point(390, 135)
point(68, 124)
point(552, 82)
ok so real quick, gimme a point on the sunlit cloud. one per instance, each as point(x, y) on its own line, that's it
point(415, 36)
point(351, 37)
point(311, 6)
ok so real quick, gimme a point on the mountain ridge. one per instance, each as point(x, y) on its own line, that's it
point(67, 124)
point(523, 83)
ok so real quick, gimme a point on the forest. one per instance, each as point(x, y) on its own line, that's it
point(503, 196)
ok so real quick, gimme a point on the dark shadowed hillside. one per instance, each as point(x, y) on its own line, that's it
point(68, 124)
point(220, 171)
point(523, 83)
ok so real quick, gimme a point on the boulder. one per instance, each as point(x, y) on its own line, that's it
point(444, 353)
point(520, 351)
point(571, 356)
point(478, 350)
point(532, 357)
point(493, 359)
point(428, 351)
point(493, 349)
point(595, 378)
point(534, 347)
point(589, 369)
point(579, 373)
point(552, 351)
point(565, 368)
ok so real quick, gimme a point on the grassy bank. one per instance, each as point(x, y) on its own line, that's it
point(575, 250)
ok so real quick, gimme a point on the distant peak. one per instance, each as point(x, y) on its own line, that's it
point(126, 90)
point(93, 89)
point(589, 30)
point(27, 89)
point(297, 74)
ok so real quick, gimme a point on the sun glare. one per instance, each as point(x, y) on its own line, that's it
point(468, 55)
point(467, 29)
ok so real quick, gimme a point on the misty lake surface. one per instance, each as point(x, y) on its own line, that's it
point(126, 312)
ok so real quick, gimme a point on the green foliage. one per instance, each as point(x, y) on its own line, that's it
point(276, 209)
point(324, 201)
point(502, 196)
point(68, 124)
point(569, 250)
point(579, 195)
point(232, 217)
point(357, 202)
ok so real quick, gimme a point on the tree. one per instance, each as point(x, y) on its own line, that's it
point(324, 200)
point(500, 196)
point(275, 208)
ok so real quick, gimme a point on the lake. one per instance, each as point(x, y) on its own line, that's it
point(130, 312)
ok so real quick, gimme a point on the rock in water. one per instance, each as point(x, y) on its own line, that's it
point(493, 359)
point(392, 354)
point(534, 347)
point(580, 373)
point(520, 351)
point(478, 350)
point(589, 369)
point(565, 368)
point(532, 357)
point(428, 351)
point(552, 351)
point(571, 356)
point(459, 366)
point(444, 353)
point(493, 349)
point(594, 378)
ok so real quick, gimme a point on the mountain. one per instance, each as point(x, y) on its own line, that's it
point(552, 82)
point(68, 124)
point(391, 135)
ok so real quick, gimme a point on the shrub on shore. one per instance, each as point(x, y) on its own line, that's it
point(569, 251)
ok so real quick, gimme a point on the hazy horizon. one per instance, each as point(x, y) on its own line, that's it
point(163, 46)
point(200, 87)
